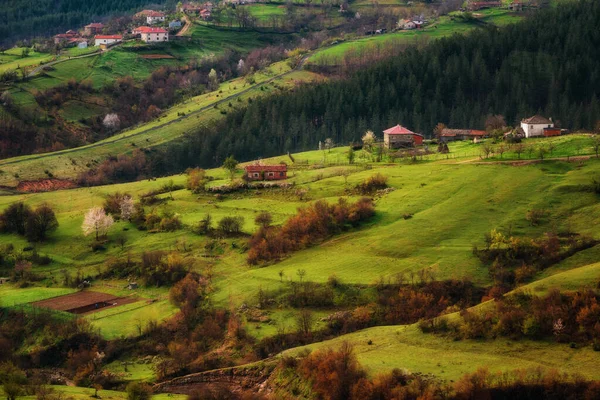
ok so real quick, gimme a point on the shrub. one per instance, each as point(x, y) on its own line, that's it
point(231, 225)
point(372, 183)
point(170, 224)
point(138, 391)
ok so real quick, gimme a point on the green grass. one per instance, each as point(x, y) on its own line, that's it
point(572, 280)
point(125, 321)
point(405, 347)
point(444, 26)
point(69, 163)
point(453, 205)
point(80, 393)
point(12, 296)
point(133, 370)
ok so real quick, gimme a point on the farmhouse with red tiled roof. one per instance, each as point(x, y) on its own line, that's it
point(399, 136)
point(107, 40)
point(94, 28)
point(259, 172)
point(152, 35)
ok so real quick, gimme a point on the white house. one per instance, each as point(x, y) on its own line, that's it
point(406, 24)
point(534, 126)
point(152, 35)
point(105, 40)
point(154, 17)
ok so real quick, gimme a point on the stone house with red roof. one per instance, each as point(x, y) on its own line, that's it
point(259, 172)
point(399, 137)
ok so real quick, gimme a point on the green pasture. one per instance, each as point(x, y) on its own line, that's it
point(69, 163)
point(11, 296)
point(12, 59)
point(444, 26)
point(130, 319)
point(81, 393)
point(405, 347)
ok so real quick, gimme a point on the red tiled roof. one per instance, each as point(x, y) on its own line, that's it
point(118, 37)
point(148, 29)
point(66, 35)
point(399, 130)
point(155, 14)
point(261, 168)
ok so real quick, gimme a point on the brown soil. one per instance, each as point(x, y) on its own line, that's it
point(45, 185)
point(84, 302)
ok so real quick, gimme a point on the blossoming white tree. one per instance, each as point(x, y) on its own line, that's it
point(127, 208)
point(111, 122)
point(96, 221)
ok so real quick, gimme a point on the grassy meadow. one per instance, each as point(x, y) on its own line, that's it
point(443, 26)
point(172, 124)
point(452, 204)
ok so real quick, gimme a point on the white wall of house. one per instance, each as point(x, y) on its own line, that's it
point(152, 37)
point(532, 130)
point(98, 42)
point(154, 20)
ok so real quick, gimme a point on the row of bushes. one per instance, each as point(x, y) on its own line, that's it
point(562, 316)
point(310, 225)
point(337, 375)
point(514, 260)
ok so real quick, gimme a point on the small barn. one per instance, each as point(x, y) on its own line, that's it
point(266, 172)
point(552, 131)
point(450, 135)
point(399, 137)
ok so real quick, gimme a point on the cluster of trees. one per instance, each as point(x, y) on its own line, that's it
point(337, 375)
point(517, 71)
point(34, 224)
point(154, 268)
point(514, 260)
point(405, 299)
point(20, 19)
point(566, 317)
point(310, 225)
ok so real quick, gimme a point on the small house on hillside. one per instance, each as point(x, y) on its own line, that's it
point(94, 28)
point(205, 14)
point(152, 35)
point(69, 37)
point(406, 24)
point(534, 126)
point(398, 137)
point(266, 172)
point(107, 40)
point(449, 135)
point(189, 8)
point(155, 17)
